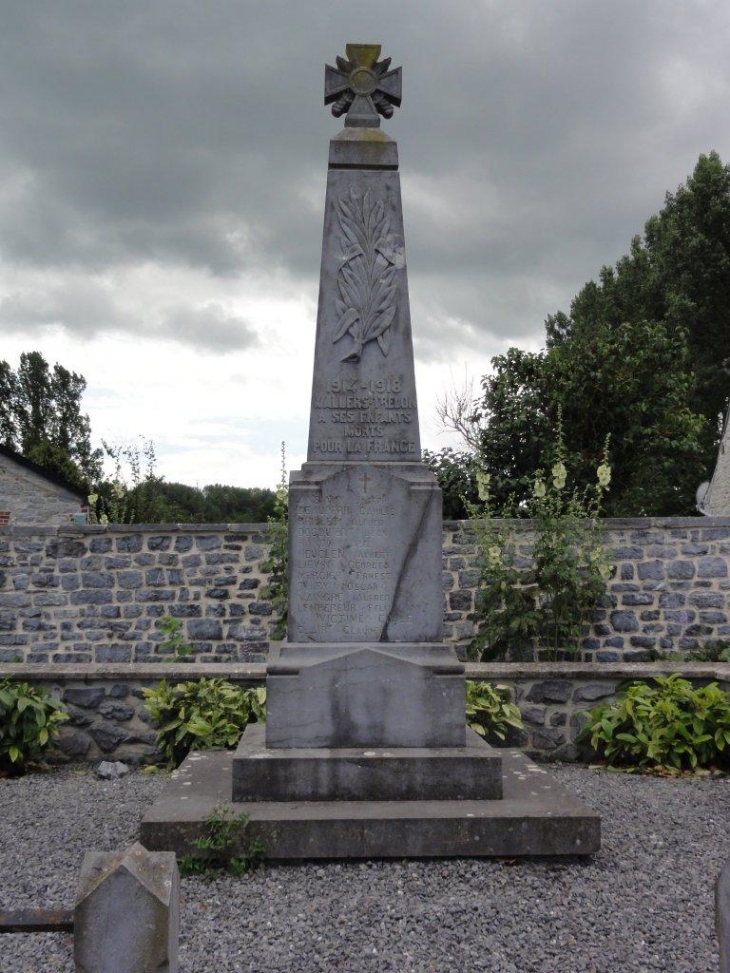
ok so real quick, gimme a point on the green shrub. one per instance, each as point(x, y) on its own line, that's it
point(202, 715)
point(489, 710)
point(29, 717)
point(663, 724)
point(538, 608)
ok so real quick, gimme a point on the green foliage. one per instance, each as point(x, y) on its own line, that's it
point(215, 849)
point(134, 494)
point(29, 718)
point(277, 562)
point(490, 711)
point(41, 418)
point(137, 494)
point(631, 380)
point(456, 473)
point(175, 647)
point(202, 715)
point(513, 422)
point(540, 611)
point(218, 504)
point(715, 650)
point(664, 724)
point(638, 357)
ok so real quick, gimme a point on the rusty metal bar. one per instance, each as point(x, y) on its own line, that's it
point(36, 920)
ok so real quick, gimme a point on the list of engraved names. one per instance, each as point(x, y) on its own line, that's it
point(349, 574)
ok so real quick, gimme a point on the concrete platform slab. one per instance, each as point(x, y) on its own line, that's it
point(536, 817)
point(471, 772)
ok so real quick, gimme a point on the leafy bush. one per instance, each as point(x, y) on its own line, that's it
point(29, 717)
point(456, 473)
point(538, 608)
point(489, 710)
point(667, 724)
point(202, 715)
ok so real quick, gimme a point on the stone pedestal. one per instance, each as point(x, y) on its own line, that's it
point(536, 816)
point(262, 774)
point(366, 695)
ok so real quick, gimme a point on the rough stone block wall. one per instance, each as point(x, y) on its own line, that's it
point(96, 594)
point(31, 499)
point(668, 594)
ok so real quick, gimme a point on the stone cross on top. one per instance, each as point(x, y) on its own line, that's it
point(362, 86)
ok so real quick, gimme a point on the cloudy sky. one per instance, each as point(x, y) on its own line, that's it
point(162, 177)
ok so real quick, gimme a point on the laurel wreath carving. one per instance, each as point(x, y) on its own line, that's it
point(366, 279)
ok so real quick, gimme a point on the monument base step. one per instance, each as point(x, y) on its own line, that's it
point(365, 695)
point(472, 772)
point(535, 817)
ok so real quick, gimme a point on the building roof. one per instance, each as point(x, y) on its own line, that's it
point(39, 471)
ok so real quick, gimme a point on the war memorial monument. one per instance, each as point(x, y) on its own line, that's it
point(365, 751)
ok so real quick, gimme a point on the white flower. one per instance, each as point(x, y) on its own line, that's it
point(103, 520)
point(483, 481)
point(560, 475)
point(538, 489)
point(604, 474)
point(495, 556)
point(92, 498)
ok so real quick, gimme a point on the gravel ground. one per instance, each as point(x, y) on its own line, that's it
point(644, 903)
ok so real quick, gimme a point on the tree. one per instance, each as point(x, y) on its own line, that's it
point(41, 418)
point(689, 247)
point(218, 504)
point(639, 356)
point(137, 494)
point(516, 418)
point(456, 475)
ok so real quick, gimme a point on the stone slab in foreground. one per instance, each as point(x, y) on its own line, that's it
point(127, 912)
point(536, 817)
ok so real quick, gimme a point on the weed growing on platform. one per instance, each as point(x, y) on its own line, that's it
point(214, 851)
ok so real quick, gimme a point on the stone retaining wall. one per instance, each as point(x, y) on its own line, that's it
point(109, 720)
point(96, 594)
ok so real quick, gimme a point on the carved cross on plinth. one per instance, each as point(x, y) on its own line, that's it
point(362, 86)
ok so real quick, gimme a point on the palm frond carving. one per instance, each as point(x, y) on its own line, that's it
point(366, 279)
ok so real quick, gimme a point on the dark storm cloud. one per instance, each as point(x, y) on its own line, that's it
point(88, 308)
point(535, 139)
